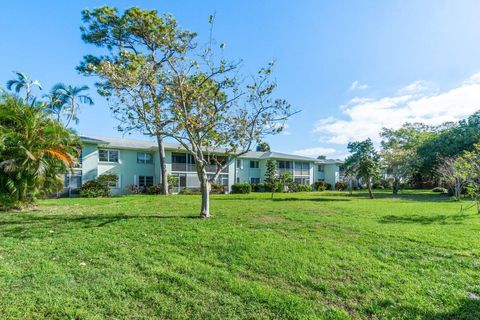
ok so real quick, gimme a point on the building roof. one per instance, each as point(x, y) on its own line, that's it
point(122, 143)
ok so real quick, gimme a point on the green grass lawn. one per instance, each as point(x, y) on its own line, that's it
point(300, 256)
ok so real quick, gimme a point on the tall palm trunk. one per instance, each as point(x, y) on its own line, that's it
point(163, 164)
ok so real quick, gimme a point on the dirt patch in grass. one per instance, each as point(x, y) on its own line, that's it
point(269, 219)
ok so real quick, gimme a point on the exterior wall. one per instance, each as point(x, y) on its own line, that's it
point(129, 170)
point(126, 168)
point(332, 174)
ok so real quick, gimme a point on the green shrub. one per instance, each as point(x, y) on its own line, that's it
point(134, 189)
point(187, 191)
point(341, 186)
point(321, 185)
point(154, 189)
point(216, 188)
point(94, 189)
point(241, 188)
point(296, 187)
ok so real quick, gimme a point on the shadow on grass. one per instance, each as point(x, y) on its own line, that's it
point(420, 197)
point(318, 199)
point(468, 309)
point(33, 226)
point(418, 219)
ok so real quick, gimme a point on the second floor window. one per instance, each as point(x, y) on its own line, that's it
point(144, 157)
point(105, 155)
point(239, 164)
point(254, 164)
point(284, 164)
point(321, 168)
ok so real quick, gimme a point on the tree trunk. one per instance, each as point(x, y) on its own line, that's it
point(163, 164)
point(369, 187)
point(205, 190)
point(396, 185)
point(457, 188)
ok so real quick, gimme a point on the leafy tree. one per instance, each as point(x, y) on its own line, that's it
point(468, 166)
point(399, 151)
point(139, 45)
point(23, 82)
point(454, 175)
point(364, 162)
point(271, 177)
point(448, 140)
point(64, 102)
point(34, 153)
point(263, 147)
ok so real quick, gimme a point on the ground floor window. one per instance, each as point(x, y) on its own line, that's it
point(301, 180)
point(145, 181)
point(254, 180)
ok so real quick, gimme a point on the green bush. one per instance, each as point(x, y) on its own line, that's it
point(296, 187)
point(187, 191)
point(154, 189)
point(341, 186)
point(94, 189)
point(217, 188)
point(241, 188)
point(321, 185)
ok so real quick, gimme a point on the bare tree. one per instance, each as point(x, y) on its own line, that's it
point(450, 173)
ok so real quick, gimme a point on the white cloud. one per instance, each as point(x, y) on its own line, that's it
point(315, 152)
point(418, 87)
point(417, 102)
point(357, 86)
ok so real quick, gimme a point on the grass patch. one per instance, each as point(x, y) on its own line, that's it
point(308, 255)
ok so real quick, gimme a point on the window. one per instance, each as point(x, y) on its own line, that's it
point(145, 181)
point(321, 168)
point(238, 179)
point(255, 180)
point(282, 164)
point(105, 155)
point(305, 181)
point(115, 184)
point(254, 164)
point(144, 157)
point(239, 164)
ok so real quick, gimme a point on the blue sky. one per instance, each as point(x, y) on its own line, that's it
point(350, 66)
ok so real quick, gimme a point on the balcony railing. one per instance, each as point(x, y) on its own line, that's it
point(188, 167)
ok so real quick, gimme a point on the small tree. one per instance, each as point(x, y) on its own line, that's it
point(271, 178)
point(454, 173)
point(364, 162)
point(139, 44)
point(468, 166)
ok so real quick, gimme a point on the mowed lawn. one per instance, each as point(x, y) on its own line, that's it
point(301, 256)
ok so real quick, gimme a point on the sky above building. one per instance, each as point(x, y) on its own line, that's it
point(351, 67)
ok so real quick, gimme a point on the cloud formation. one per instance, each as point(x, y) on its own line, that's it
point(315, 152)
point(420, 101)
point(357, 86)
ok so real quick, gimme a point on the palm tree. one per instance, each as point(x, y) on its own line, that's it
point(36, 151)
point(66, 101)
point(23, 81)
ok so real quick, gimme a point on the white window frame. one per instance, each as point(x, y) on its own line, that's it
point(144, 161)
point(118, 185)
point(239, 164)
point(256, 164)
point(145, 181)
point(254, 178)
point(108, 155)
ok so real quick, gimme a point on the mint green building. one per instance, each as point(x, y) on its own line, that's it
point(136, 162)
